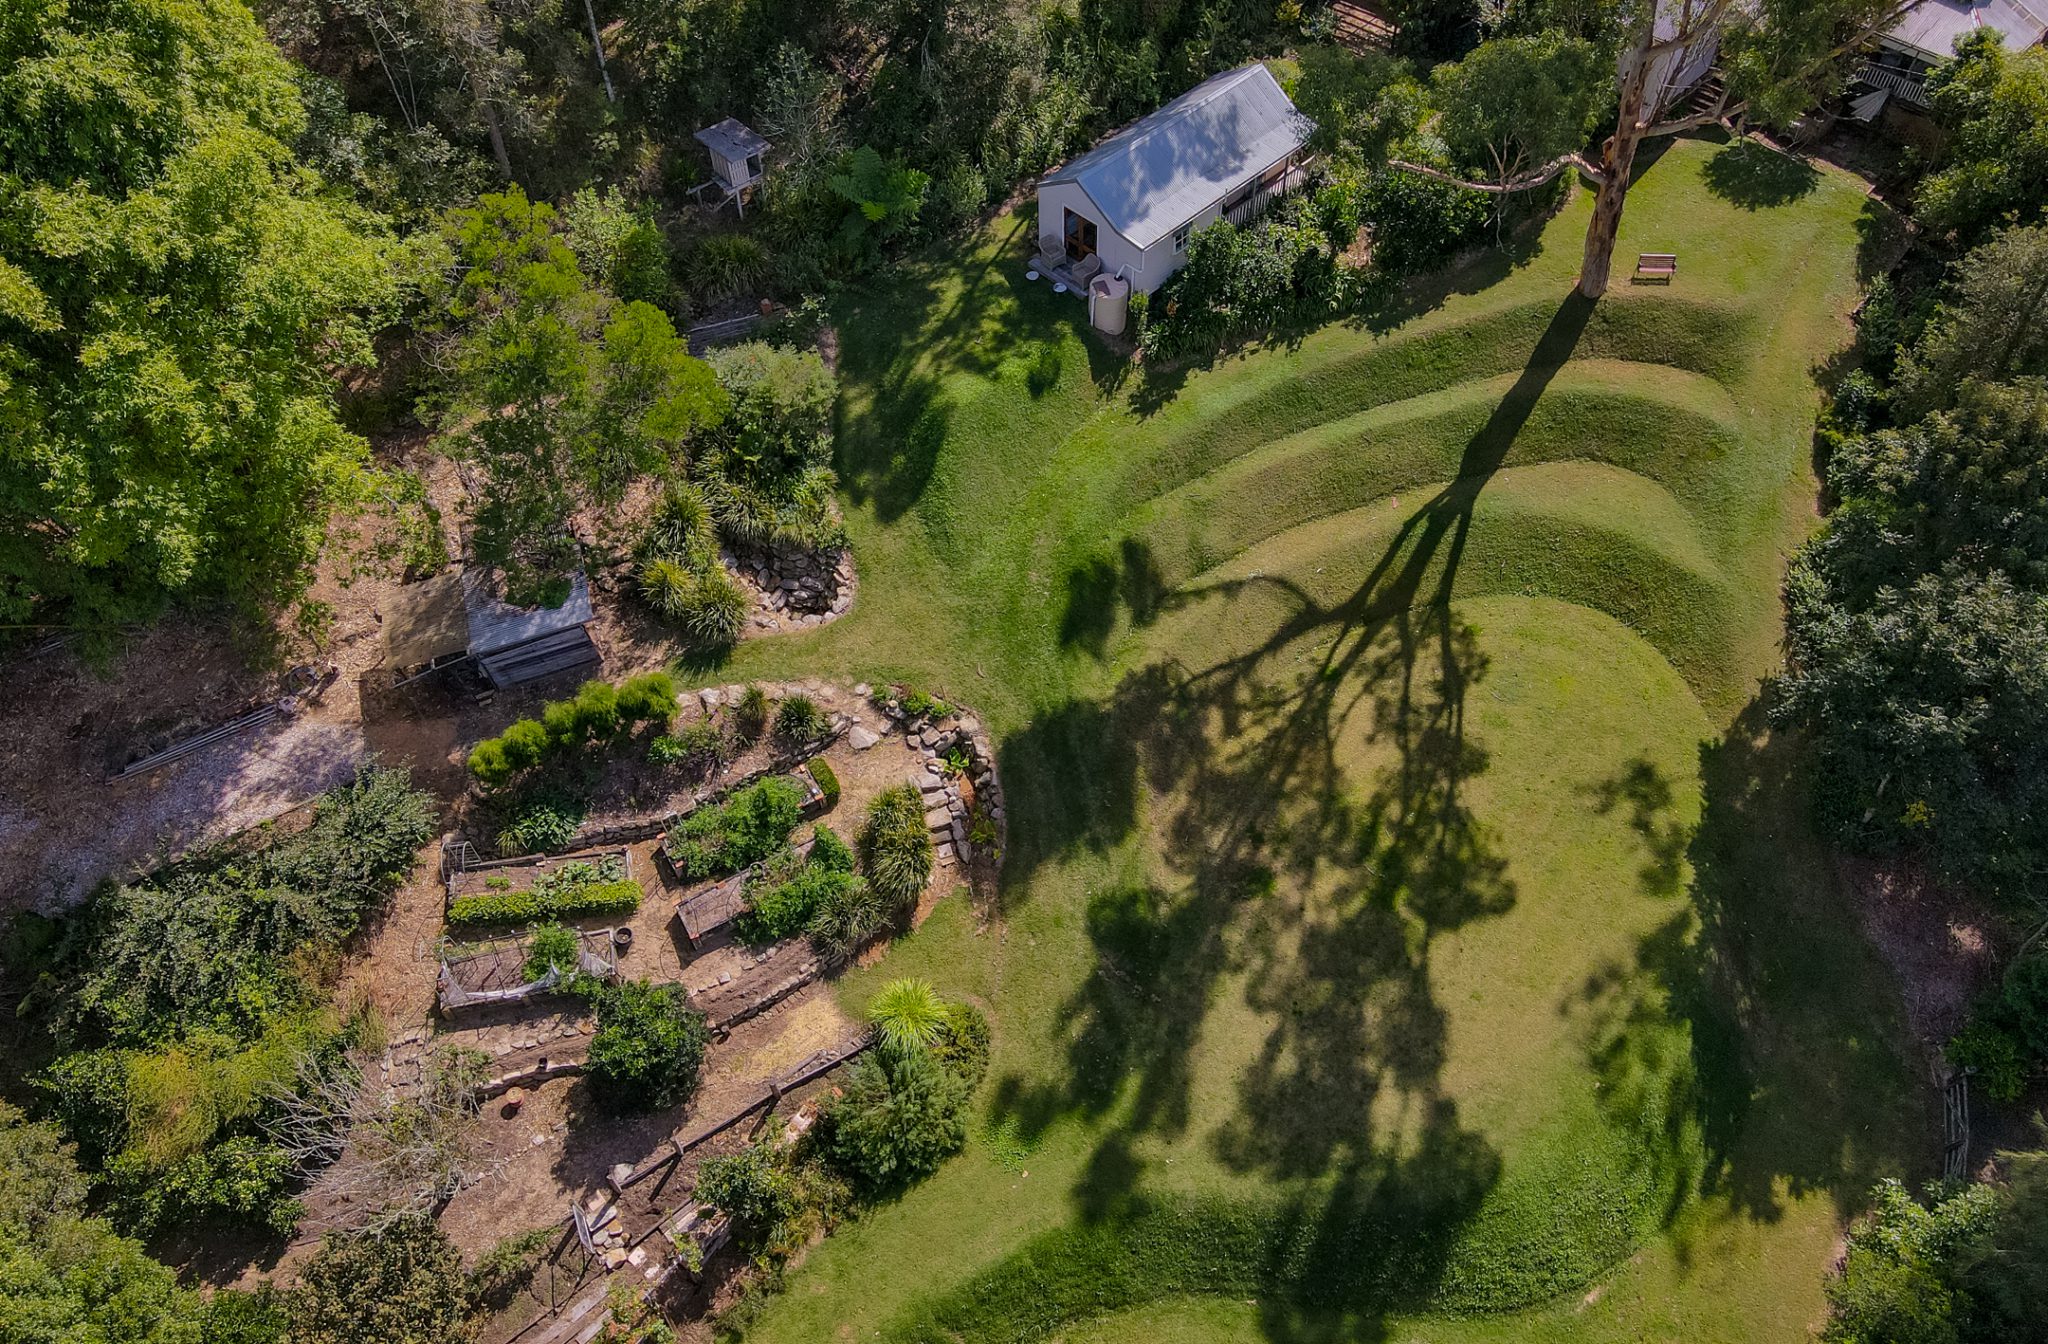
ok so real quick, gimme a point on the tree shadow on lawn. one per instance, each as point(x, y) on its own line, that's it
point(1254, 765)
point(995, 315)
point(1797, 1080)
point(1755, 176)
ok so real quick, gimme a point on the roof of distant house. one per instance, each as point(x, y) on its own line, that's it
point(1167, 167)
point(732, 139)
point(1933, 26)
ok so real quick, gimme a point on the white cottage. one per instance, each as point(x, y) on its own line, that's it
point(1126, 208)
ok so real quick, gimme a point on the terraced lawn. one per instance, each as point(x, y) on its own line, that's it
point(1411, 929)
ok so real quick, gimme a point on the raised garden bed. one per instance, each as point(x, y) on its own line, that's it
point(494, 970)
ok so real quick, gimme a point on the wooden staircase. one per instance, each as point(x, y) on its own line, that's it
point(1362, 26)
point(1701, 99)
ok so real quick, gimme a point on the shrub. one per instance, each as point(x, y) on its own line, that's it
point(919, 704)
point(525, 743)
point(845, 917)
point(829, 852)
point(783, 905)
point(648, 1046)
point(1417, 221)
point(667, 584)
point(750, 712)
point(908, 1013)
point(1993, 1055)
point(597, 714)
point(962, 1044)
point(725, 266)
point(680, 526)
point(402, 1284)
point(698, 746)
point(744, 829)
point(751, 1188)
point(717, 608)
point(553, 947)
point(487, 761)
point(522, 907)
point(901, 1115)
point(896, 846)
point(541, 823)
point(648, 698)
point(799, 720)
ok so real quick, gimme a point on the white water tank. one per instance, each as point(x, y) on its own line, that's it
point(1109, 303)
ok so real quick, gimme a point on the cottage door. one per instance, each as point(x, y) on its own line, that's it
point(1080, 236)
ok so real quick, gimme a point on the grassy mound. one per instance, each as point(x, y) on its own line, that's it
point(1405, 920)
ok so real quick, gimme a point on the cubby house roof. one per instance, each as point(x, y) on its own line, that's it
point(733, 140)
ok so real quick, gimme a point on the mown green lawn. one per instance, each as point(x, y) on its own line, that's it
point(1409, 928)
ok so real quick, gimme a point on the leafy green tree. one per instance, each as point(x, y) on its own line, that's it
point(1896, 1285)
point(1993, 326)
point(81, 1281)
point(902, 1114)
point(401, 1284)
point(1517, 102)
point(648, 1046)
point(175, 292)
point(619, 245)
point(1917, 639)
point(1779, 57)
point(2004, 1270)
point(561, 394)
point(39, 1176)
point(1994, 165)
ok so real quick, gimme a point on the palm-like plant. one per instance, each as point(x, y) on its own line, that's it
point(896, 845)
point(908, 1013)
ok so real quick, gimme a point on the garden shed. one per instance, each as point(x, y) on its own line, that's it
point(1127, 208)
point(462, 615)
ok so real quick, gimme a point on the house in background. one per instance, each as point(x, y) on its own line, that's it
point(1126, 209)
point(1893, 86)
point(1679, 73)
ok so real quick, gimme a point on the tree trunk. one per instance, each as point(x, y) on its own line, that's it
point(498, 150)
point(1617, 158)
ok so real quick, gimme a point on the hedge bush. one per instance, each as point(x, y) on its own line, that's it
point(827, 780)
point(524, 907)
point(596, 714)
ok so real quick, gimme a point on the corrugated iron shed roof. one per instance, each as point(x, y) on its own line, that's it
point(493, 625)
point(1167, 167)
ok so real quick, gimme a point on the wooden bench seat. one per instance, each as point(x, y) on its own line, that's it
point(1657, 266)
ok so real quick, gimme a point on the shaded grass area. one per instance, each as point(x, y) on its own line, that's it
point(1378, 937)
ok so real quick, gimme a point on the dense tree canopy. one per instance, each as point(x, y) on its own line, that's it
point(175, 291)
point(1994, 166)
point(559, 392)
point(1917, 635)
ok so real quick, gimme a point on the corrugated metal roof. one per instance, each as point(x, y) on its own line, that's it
point(1165, 168)
point(1933, 26)
point(731, 139)
point(494, 625)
